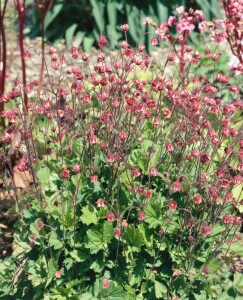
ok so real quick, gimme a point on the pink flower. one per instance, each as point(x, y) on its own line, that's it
point(154, 42)
point(205, 230)
point(94, 178)
point(197, 199)
point(141, 216)
point(177, 187)
point(111, 158)
point(65, 173)
point(110, 217)
point(106, 283)
point(153, 171)
point(136, 172)
point(172, 204)
point(234, 89)
point(124, 27)
point(157, 121)
point(176, 272)
point(93, 139)
point(102, 42)
point(227, 219)
point(100, 202)
point(58, 274)
point(76, 168)
point(205, 158)
point(117, 232)
point(169, 147)
point(74, 52)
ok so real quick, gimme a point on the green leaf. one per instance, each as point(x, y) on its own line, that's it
point(21, 249)
point(89, 215)
point(114, 292)
point(133, 237)
point(153, 215)
point(99, 237)
point(44, 176)
point(52, 266)
point(238, 282)
point(78, 38)
point(160, 289)
point(88, 41)
point(69, 34)
point(78, 255)
point(98, 12)
point(52, 14)
point(86, 296)
point(53, 240)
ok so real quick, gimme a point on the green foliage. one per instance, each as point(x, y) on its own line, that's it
point(81, 22)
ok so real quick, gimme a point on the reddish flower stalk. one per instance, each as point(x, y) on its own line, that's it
point(20, 6)
point(43, 7)
point(3, 57)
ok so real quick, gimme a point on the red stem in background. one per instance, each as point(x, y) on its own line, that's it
point(21, 13)
point(3, 58)
point(43, 8)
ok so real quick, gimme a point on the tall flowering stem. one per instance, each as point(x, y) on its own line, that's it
point(3, 58)
point(233, 25)
point(21, 9)
point(43, 7)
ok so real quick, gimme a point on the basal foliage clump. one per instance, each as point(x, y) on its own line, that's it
point(136, 172)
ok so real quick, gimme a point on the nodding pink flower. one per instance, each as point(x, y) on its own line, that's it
point(123, 135)
point(136, 172)
point(110, 217)
point(148, 194)
point(157, 121)
point(197, 199)
point(195, 153)
point(141, 48)
point(205, 230)
point(154, 42)
point(27, 55)
point(106, 283)
point(76, 168)
point(93, 139)
point(233, 132)
point(100, 202)
point(54, 57)
point(205, 158)
point(117, 233)
point(240, 153)
point(172, 204)
point(94, 178)
point(102, 42)
point(111, 158)
point(176, 272)
point(240, 166)
point(141, 216)
point(234, 89)
point(167, 113)
point(169, 147)
point(65, 173)
point(21, 167)
point(226, 123)
point(74, 52)
point(228, 197)
point(85, 56)
point(52, 50)
point(58, 274)
point(177, 187)
point(227, 219)
point(124, 27)
point(153, 171)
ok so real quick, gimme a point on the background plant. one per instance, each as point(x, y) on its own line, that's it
point(106, 16)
